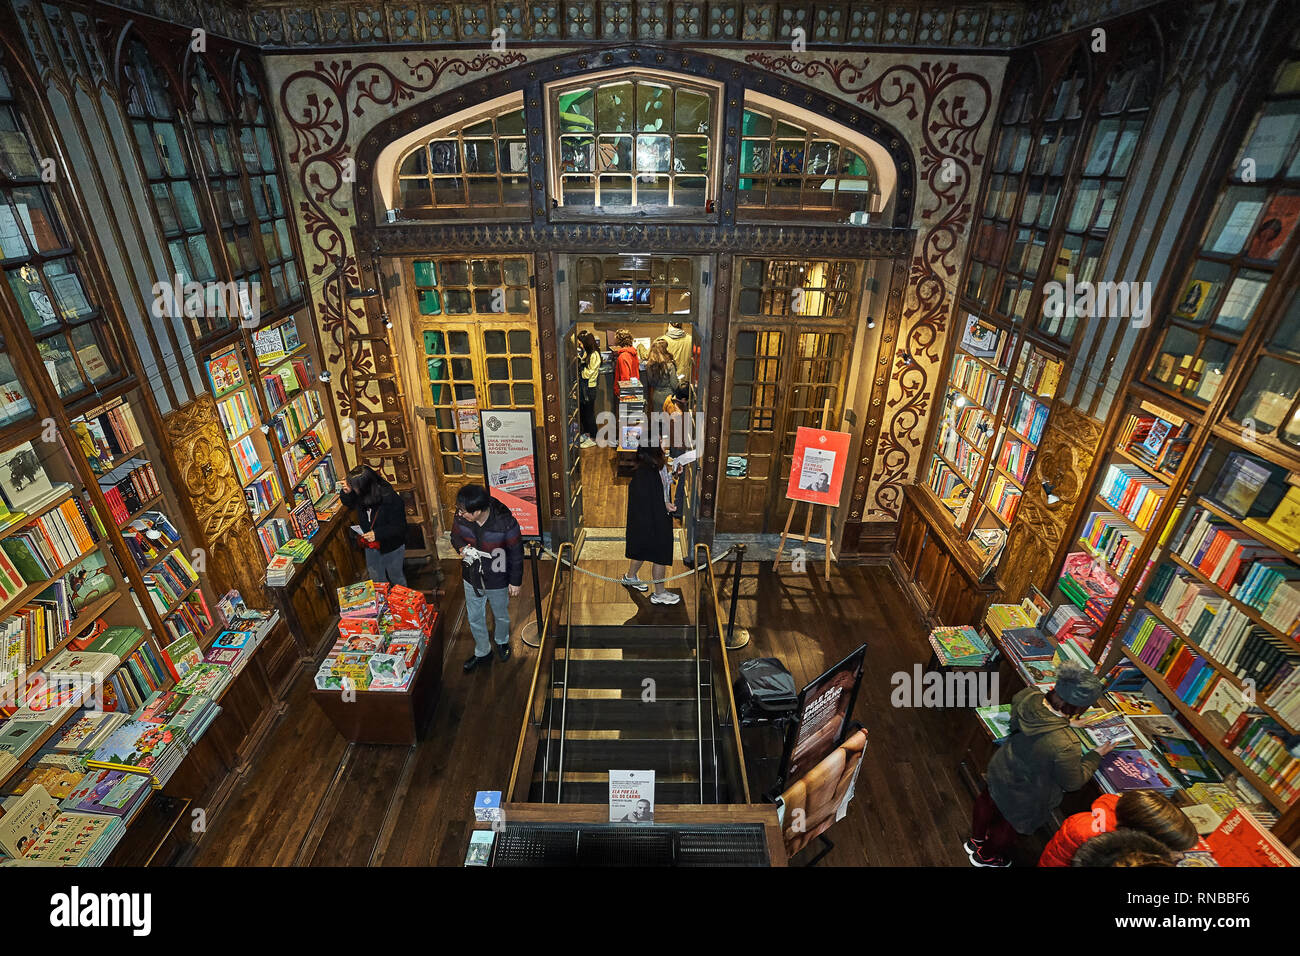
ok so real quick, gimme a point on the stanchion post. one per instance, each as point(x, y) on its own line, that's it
point(736, 639)
point(534, 549)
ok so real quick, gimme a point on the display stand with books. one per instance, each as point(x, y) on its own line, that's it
point(379, 682)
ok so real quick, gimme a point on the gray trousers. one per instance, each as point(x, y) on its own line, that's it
point(476, 609)
point(386, 567)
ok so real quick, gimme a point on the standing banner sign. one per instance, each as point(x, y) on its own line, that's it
point(817, 468)
point(822, 716)
point(510, 463)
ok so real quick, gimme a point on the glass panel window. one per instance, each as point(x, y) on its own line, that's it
point(633, 142)
point(478, 168)
point(54, 301)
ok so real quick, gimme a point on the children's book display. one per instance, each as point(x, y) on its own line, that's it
point(383, 631)
point(960, 647)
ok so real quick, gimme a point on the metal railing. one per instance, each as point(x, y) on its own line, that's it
point(722, 700)
point(535, 707)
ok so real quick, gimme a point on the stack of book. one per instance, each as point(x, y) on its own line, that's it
point(206, 679)
point(1085, 582)
point(382, 633)
point(128, 487)
point(58, 773)
point(959, 647)
point(34, 831)
point(114, 793)
point(296, 549)
point(279, 570)
point(1243, 840)
point(143, 747)
point(87, 732)
point(1067, 623)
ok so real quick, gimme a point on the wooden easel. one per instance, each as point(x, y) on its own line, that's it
point(825, 541)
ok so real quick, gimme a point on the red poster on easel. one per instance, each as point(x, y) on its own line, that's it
point(817, 469)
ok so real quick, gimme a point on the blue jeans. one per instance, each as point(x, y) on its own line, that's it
point(476, 606)
point(386, 567)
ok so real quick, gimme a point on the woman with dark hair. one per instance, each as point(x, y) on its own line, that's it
point(382, 518)
point(649, 524)
point(588, 374)
point(1123, 848)
point(1146, 811)
point(1036, 766)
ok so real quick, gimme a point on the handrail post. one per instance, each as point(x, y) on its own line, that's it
point(534, 550)
point(736, 639)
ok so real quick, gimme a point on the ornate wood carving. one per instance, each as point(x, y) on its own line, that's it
point(207, 478)
point(1065, 455)
point(953, 107)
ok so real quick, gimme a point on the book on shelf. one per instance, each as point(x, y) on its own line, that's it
point(1133, 493)
point(85, 733)
point(237, 413)
point(128, 487)
point(48, 544)
point(1157, 440)
point(167, 580)
point(247, 461)
point(54, 773)
point(107, 435)
point(25, 820)
point(1015, 457)
point(287, 380)
point(191, 618)
point(1027, 417)
point(996, 720)
point(23, 480)
point(959, 646)
point(226, 372)
point(263, 494)
point(268, 345)
point(1003, 497)
point(310, 446)
point(1242, 482)
point(976, 380)
point(1122, 770)
point(1283, 523)
point(149, 537)
point(113, 793)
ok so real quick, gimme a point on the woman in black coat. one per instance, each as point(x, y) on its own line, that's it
point(382, 519)
point(650, 524)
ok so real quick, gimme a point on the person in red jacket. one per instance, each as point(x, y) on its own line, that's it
point(627, 363)
point(1143, 810)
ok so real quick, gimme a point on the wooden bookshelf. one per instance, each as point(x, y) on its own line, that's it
point(1209, 659)
point(38, 513)
point(1202, 727)
point(1245, 609)
point(91, 612)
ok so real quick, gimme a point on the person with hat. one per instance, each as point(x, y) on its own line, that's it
point(1038, 764)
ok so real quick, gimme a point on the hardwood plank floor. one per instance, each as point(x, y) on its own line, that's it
point(312, 799)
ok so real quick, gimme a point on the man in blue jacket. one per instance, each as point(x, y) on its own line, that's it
point(487, 537)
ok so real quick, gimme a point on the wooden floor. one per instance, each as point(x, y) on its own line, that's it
point(604, 492)
point(311, 799)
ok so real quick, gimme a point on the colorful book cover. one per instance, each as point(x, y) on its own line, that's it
point(1134, 704)
point(184, 653)
point(1134, 770)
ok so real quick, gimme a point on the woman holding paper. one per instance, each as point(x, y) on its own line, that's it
point(381, 523)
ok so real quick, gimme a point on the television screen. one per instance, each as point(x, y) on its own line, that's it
point(627, 294)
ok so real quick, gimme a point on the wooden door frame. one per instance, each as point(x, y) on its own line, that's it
point(848, 327)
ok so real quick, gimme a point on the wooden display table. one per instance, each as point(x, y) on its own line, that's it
point(389, 716)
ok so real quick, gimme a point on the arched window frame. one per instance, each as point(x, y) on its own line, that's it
point(696, 181)
point(460, 148)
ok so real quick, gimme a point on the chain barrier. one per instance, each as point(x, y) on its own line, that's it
point(675, 577)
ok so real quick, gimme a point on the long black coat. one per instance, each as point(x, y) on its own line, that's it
point(649, 526)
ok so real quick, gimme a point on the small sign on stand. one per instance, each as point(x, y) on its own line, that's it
point(631, 796)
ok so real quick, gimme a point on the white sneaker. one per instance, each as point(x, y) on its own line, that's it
point(665, 597)
point(635, 583)
point(586, 443)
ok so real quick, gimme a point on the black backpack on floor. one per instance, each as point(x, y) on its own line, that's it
point(765, 692)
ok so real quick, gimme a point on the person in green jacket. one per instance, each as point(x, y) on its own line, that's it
point(1038, 764)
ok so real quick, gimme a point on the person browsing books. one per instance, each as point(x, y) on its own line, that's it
point(490, 543)
point(381, 516)
point(1147, 811)
point(1039, 762)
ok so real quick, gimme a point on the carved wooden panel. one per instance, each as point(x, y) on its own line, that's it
point(1070, 443)
point(207, 478)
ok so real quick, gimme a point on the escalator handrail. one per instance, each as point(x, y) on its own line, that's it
point(707, 558)
point(544, 631)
